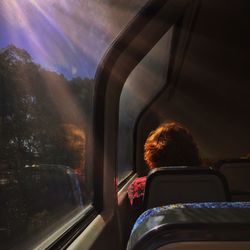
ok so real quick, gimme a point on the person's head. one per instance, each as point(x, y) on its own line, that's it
point(171, 144)
point(74, 143)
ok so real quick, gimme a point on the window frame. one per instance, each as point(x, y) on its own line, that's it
point(157, 16)
point(107, 91)
point(150, 100)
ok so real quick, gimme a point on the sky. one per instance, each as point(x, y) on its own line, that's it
point(66, 36)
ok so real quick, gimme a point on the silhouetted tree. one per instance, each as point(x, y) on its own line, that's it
point(34, 103)
point(38, 110)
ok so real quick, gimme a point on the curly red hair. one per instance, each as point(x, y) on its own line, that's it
point(171, 144)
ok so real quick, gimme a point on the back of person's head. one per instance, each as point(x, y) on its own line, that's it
point(171, 144)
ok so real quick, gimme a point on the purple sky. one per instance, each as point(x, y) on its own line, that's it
point(67, 36)
point(56, 34)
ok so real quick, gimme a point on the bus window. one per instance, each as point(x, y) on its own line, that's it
point(142, 85)
point(49, 52)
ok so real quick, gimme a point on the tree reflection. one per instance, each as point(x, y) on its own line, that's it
point(29, 115)
point(43, 125)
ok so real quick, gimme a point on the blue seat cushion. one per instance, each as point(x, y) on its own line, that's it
point(159, 210)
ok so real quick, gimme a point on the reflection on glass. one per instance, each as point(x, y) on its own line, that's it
point(49, 52)
point(45, 114)
point(44, 122)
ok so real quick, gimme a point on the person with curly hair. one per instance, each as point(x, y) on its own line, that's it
point(171, 144)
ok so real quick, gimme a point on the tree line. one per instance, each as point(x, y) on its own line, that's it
point(34, 104)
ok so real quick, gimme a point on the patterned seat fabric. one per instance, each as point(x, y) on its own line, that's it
point(159, 210)
point(220, 221)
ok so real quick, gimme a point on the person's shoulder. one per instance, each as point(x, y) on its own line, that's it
point(137, 186)
point(136, 190)
point(140, 180)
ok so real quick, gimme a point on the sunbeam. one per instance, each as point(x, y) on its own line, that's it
point(58, 35)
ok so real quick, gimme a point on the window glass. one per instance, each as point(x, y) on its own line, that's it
point(49, 52)
point(142, 85)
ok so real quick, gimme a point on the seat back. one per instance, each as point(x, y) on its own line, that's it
point(193, 226)
point(169, 185)
point(237, 174)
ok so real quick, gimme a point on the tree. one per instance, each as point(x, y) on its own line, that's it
point(44, 119)
point(35, 102)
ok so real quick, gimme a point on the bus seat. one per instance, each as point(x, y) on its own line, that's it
point(212, 225)
point(237, 174)
point(170, 185)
